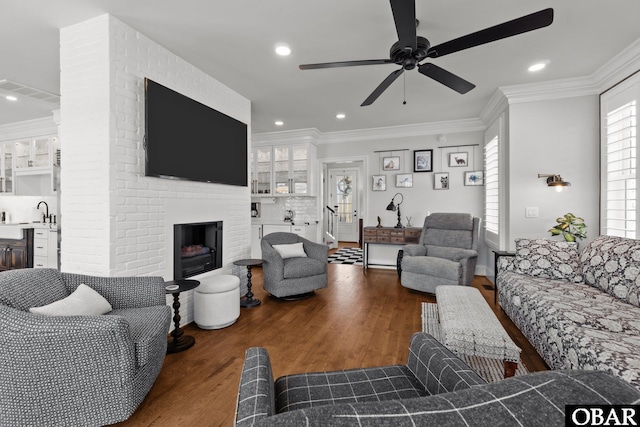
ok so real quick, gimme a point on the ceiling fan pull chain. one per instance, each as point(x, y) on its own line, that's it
point(404, 89)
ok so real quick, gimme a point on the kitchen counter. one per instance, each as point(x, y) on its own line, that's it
point(264, 221)
point(15, 230)
point(262, 226)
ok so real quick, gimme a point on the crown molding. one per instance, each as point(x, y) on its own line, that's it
point(609, 74)
point(496, 105)
point(618, 68)
point(552, 89)
point(403, 131)
point(28, 128)
point(392, 132)
point(288, 136)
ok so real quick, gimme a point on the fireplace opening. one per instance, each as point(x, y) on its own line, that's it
point(197, 248)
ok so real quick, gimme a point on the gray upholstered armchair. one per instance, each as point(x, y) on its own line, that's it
point(446, 254)
point(295, 277)
point(87, 370)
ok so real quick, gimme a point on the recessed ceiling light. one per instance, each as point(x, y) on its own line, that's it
point(538, 66)
point(279, 123)
point(11, 98)
point(340, 116)
point(283, 50)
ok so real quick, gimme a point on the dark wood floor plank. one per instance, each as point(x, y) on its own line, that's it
point(359, 320)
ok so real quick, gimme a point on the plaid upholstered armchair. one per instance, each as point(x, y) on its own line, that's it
point(435, 388)
point(446, 254)
point(293, 275)
point(80, 370)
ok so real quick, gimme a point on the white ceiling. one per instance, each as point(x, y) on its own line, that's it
point(233, 41)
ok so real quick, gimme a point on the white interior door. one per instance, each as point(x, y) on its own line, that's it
point(343, 193)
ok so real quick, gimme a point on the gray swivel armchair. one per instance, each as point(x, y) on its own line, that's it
point(78, 370)
point(297, 277)
point(446, 254)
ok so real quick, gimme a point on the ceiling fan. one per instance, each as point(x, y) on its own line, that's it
point(411, 49)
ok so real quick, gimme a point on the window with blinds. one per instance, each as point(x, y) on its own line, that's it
point(618, 144)
point(620, 195)
point(492, 187)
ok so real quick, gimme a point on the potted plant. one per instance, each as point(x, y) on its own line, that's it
point(570, 227)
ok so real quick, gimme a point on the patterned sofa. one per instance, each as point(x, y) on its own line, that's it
point(434, 388)
point(579, 310)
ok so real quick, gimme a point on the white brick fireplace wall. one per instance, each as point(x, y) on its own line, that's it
point(116, 221)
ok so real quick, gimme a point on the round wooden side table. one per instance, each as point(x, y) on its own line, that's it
point(249, 300)
point(178, 341)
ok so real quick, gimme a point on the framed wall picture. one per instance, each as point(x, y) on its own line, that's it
point(404, 180)
point(441, 181)
point(474, 178)
point(423, 161)
point(379, 183)
point(391, 163)
point(458, 159)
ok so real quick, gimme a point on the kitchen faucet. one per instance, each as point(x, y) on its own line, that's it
point(45, 215)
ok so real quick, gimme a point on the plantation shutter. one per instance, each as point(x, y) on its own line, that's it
point(619, 178)
point(493, 191)
point(492, 187)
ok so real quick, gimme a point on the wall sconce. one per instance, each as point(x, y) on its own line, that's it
point(392, 207)
point(554, 180)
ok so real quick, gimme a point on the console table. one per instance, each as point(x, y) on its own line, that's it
point(387, 236)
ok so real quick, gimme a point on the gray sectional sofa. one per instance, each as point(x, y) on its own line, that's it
point(433, 388)
point(580, 310)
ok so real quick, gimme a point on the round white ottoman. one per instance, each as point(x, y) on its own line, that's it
point(217, 301)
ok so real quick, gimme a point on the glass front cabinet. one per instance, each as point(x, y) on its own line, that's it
point(6, 168)
point(290, 167)
point(35, 153)
point(261, 167)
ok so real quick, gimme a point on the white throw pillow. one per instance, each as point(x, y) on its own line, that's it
point(84, 301)
point(292, 250)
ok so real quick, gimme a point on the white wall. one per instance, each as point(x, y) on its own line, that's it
point(116, 221)
point(554, 137)
point(422, 197)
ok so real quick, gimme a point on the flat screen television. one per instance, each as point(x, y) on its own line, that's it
point(189, 140)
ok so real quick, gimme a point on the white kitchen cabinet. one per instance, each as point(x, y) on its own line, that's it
point(308, 231)
point(45, 248)
point(6, 168)
point(35, 166)
point(36, 152)
point(256, 241)
point(275, 228)
point(283, 170)
point(261, 171)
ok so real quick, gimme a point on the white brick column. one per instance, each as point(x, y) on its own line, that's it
point(86, 152)
point(116, 221)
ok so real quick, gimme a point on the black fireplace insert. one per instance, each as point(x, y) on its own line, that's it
point(197, 248)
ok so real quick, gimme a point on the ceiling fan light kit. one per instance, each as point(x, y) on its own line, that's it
point(410, 49)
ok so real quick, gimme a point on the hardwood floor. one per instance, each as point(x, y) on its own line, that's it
point(358, 321)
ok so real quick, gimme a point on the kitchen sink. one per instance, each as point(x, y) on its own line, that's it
point(11, 231)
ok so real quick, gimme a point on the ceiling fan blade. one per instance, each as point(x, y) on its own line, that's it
point(344, 64)
point(517, 26)
point(448, 79)
point(382, 87)
point(404, 15)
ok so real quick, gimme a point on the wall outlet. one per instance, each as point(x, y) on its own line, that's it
point(531, 212)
